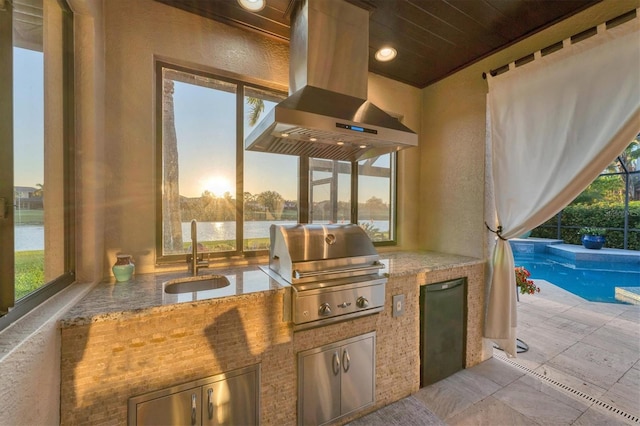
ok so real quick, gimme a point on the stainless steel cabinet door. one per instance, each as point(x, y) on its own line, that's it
point(179, 409)
point(320, 387)
point(357, 381)
point(336, 379)
point(232, 401)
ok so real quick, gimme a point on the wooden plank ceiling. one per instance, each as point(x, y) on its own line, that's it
point(434, 38)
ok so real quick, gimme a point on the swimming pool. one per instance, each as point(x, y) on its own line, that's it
point(591, 280)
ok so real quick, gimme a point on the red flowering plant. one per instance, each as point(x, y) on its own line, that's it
point(523, 282)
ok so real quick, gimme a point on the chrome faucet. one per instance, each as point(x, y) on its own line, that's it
point(194, 260)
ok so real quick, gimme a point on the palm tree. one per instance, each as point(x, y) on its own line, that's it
point(631, 156)
point(40, 191)
point(172, 220)
point(627, 162)
point(256, 109)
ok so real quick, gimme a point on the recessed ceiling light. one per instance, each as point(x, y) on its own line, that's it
point(313, 139)
point(340, 143)
point(363, 146)
point(253, 5)
point(284, 135)
point(386, 54)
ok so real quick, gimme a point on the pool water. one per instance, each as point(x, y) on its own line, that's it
point(594, 281)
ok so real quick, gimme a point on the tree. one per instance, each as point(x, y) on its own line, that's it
point(605, 188)
point(208, 207)
point(272, 202)
point(228, 207)
point(630, 158)
point(376, 207)
point(248, 197)
point(39, 193)
point(172, 220)
point(256, 109)
point(611, 188)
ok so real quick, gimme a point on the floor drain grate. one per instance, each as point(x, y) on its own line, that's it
point(571, 390)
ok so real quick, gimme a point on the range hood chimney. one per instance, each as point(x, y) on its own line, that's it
point(326, 114)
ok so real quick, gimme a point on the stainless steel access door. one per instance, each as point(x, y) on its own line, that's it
point(178, 409)
point(336, 379)
point(231, 398)
point(357, 375)
point(232, 401)
point(320, 387)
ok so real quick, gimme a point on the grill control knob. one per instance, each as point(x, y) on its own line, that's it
point(362, 302)
point(325, 309)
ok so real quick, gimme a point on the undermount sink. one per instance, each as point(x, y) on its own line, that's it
point(194, 284)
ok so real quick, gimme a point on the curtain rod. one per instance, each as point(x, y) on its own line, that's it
point(614, 22)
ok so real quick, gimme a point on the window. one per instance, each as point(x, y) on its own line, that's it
point(376, 197)
point(270, 192)
point(207, 176)
point(235, 195)
point(199, 180)
point(330, 192)
point(35, 172)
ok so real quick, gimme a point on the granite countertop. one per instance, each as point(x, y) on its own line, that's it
point(112, 300)
point(403, 263)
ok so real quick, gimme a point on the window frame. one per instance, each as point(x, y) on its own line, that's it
point(17, 309)
point(303, 171)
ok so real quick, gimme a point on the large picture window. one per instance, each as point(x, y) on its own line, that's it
point(235, 195)
point(36, 166)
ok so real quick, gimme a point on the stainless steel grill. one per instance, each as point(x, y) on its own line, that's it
point(334, 271)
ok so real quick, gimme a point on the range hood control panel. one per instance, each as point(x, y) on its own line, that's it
point(356, 128)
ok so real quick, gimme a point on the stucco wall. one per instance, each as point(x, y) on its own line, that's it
point(451, 178)
point(30, 362)
point(399, 98)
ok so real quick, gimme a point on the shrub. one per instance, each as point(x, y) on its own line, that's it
point(602, 215)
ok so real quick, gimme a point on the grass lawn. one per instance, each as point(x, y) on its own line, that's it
point(29, 272)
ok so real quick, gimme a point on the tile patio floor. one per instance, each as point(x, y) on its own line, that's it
point(582, 368)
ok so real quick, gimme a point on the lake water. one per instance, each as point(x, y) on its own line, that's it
point(31, 237)
point(216, 231)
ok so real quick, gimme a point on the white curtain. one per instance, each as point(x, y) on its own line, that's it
point(554, 125)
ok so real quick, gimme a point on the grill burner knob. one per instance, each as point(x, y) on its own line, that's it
point(325, 309)
point(362, 302)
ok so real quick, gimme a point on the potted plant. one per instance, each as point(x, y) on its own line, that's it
point(593, 237)
point(524, 284)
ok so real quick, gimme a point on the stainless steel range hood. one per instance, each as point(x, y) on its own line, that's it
point(327, 114)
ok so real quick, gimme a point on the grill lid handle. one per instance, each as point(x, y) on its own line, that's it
point(299, 274)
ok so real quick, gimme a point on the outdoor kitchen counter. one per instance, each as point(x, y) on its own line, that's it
point(129, 338)
point(112, 300)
